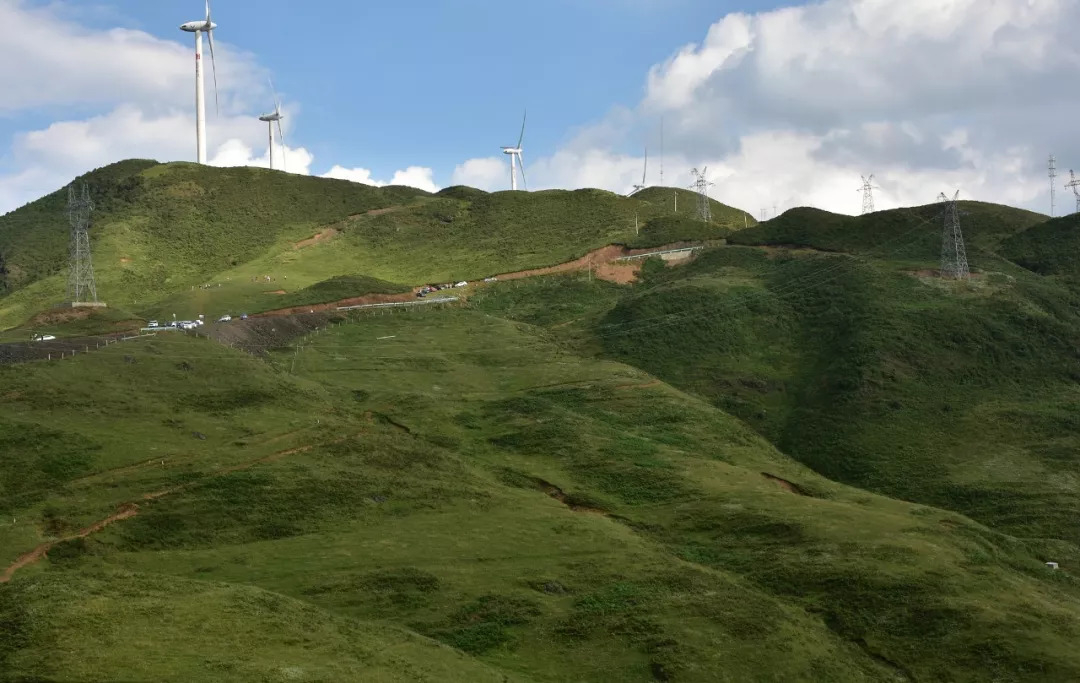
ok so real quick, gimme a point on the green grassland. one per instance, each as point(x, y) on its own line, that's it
point(184, 239)
point(797, 457)
point(467, 481)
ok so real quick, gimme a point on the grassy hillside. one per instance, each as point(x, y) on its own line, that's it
point(185, 239)
point(1047, 248)
point(451, 477)
point(912, 234)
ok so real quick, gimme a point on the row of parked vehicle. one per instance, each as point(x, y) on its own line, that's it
point(428, 289)
point(176, 324)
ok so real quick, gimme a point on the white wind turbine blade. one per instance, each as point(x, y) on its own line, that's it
point(522, 137)
point(521, 163)
point(646, 171)
point(213, 60)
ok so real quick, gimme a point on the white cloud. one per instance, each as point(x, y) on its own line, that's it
point(53, 61)
point(489, 174)
point(414, 176)
point(125, 87)
point(791, 106)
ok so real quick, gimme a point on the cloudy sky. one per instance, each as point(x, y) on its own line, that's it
point(786, 104)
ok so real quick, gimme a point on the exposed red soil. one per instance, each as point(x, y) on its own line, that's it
point(784, 484)
point(603, 255)
point(125, 260)
point(619, 273)
point(278, 292)
point(59, 316)
point(321, 236)
point(126, 511)
point(129, 510)
point(334, 305)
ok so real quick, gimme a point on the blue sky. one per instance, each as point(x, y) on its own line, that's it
point(786, 103)
point(386, 84)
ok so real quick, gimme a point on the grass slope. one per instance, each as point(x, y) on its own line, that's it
point(185, 239)
point(909, 234)
point(956, 395)
point(459, 477)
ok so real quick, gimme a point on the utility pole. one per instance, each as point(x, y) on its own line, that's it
point(1053, 188)
point(953, 255)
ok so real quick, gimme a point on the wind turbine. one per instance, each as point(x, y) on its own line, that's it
point(270, 120)
point(199, 28)
point(639, 188)
point(515, 154)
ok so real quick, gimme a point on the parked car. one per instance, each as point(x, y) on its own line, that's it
point(43, 337)
point(225, 319)
point(244, 316)
point(462, 284)
point(152, 323)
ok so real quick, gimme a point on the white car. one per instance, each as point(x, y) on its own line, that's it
point(225, 319)
point(152, 323)
point(43, 337)
point(462, 284)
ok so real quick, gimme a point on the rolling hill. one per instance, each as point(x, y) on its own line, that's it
point(797, 456)
point(163, 232)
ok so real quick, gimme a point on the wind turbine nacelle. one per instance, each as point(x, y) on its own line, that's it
point(511, 150)
point(271, 117)
point(196, 26)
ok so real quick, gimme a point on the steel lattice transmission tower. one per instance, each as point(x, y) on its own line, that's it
point(954, 262)
point(1053, 187)
point(867, 190)
point(81, 286)
point(1075, 185)
point(701, 186)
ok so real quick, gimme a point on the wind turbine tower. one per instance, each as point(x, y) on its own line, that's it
point(199, 28)
point(1075, 185)
point(270, 120)
point(515, 158)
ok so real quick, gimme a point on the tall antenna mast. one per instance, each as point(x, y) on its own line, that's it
point(953, 255)
point(1053, 188)
point(1075, 185)
point(81, 286)
point(701, 185)
point(867, 190)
